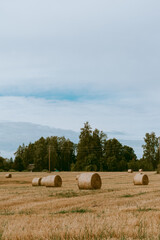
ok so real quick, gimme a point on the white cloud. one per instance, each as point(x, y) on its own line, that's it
point(133, 118)
point(107, 46)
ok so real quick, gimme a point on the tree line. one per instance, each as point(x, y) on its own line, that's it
point(94, 152)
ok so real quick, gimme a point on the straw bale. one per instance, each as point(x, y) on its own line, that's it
point(89, 181)
point(140, 179)
point(43, 181)
point(130, 171)
point(53, 181)
point(36, 181)
point(8, 175)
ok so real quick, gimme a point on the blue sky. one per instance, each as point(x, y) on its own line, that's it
point(63, 63)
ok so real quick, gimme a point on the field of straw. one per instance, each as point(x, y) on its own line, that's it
point(119, 210)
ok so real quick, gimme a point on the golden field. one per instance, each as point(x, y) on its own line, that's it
point(119, 210)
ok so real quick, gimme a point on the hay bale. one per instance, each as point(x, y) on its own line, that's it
point(140, 170)
point(89, 181)
point(43, 181)
point(53, 181)
point(36, 181)
point(130, 171)
point(140, 179)
point(8, 175)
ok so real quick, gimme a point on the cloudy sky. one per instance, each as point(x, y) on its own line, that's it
point(63, 63)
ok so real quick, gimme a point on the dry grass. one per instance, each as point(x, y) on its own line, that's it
point(119, 210)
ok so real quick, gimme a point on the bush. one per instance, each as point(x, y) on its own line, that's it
point(45, 170)
point(89, 168)
point(11, 170)
point(1, 170)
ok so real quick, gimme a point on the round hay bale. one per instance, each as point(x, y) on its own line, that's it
point(43, 181)
point(8, 175)
point(130, 171)
point(36, 181)
point(53, 181)
point(89, 181)
point(140, 170)
point(140, 179)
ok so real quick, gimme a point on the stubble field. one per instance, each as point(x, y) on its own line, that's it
point(119, 210)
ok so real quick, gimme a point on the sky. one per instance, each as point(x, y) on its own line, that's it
point(63, 63)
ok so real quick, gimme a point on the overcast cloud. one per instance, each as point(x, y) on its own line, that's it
point(66, 62)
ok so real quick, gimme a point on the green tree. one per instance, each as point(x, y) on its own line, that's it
point(60, 151)
point(145, 165)
point(2, 162)
point(18, 163)
point(99, 140)
point(112, 154)
point(8, 164)
point(112, 163)
point(134, 165)
point(84, 147)
point(28, 155)
point(150, 151)
point(91, 162)
point(19, 158)
point(116, 156)
point(128, 153)
point(67, 154)
point(40, 155)
point(90, 148)
point(56, 146)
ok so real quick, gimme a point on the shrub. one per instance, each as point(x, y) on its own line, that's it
point(89, 168)
point(45, 170)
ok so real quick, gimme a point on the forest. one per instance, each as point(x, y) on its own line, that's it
point(94, 152)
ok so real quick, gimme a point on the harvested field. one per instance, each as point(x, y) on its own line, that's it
point(119, 210)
